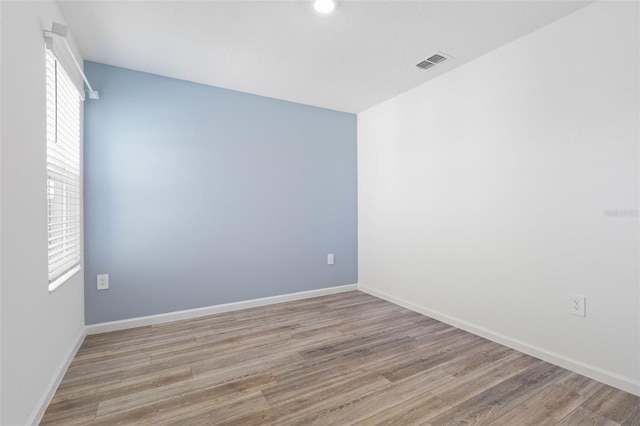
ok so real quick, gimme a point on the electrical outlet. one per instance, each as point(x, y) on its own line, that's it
point(577, 305)
point(103, 282)
point(330, 259)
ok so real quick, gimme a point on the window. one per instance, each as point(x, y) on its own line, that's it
point(63, 172)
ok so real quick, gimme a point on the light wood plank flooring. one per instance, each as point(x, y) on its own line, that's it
point(344, 359)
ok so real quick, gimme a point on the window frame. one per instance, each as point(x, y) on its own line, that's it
point(64, 172)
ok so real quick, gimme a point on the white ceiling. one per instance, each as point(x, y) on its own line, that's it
point(360, 55)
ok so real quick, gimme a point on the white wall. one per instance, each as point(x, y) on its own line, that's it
point(39, 330)
point(0, 216)
point(482, 194)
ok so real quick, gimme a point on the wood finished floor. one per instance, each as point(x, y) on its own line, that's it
point(342, 359)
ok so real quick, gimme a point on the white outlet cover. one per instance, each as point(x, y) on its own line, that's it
point(103, 282)
point(577, 305)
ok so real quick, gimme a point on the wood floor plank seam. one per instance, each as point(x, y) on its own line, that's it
point(340, 359)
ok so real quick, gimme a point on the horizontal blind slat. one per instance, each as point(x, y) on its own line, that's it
point(61, 250)
point(57, 270)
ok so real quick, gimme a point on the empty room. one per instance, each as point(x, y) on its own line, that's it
point(331, 212)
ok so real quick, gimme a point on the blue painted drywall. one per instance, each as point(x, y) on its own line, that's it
point(196, 195)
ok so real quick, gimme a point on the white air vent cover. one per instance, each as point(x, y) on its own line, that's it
point(425, 64)
point(432, 60)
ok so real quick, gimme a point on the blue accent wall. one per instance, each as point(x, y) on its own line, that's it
point(196, 195)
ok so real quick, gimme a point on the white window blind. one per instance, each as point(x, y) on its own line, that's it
point(63, 172)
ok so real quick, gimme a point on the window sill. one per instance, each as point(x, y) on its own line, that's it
point(63, 278)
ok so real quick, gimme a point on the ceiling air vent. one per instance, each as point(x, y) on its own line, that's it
point(436, 58)
point(432, 60)
point(425, 64)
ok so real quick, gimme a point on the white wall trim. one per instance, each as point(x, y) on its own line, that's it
point(215, 309)
point(610, 378)
point(47, 396)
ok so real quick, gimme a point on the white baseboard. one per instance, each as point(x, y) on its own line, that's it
point(610, 378)
point(50, 391)
point(216, 309)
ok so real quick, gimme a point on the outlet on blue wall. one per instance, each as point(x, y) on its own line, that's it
point(197, 196)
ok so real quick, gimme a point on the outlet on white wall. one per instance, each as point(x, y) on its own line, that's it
point(330, 259)
point(103, 282)
point(577, 305)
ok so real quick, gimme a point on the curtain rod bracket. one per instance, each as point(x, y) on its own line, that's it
point(61, 30)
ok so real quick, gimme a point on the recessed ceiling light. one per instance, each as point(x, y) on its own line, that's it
point(324, 6)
